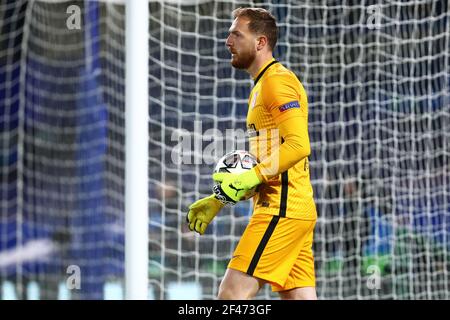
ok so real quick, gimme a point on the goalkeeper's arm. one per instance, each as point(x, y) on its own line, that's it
point(294, 148)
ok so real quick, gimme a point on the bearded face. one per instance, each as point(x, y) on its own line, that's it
point(241, 44)
point(243, 58)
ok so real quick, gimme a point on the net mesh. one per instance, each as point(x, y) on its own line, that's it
point(377, 78)
point(377, 82)
point(62, 133)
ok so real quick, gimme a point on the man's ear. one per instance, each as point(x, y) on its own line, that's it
point(262, 42)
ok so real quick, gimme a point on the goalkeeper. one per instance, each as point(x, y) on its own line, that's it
point(276, 246)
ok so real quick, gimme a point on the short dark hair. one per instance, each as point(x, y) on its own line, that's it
point(261, 22)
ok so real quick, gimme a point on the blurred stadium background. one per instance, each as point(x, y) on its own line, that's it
point(378, 78)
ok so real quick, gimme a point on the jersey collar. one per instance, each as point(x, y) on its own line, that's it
point(263, 69)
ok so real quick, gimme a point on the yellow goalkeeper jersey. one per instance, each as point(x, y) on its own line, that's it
point(277, 123)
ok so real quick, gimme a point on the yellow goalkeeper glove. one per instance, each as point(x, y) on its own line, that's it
point(202, 212)
point(234, 187)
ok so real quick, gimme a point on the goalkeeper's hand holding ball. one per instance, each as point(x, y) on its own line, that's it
point(232, 188)
point(235, 187)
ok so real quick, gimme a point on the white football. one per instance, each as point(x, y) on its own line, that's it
point(237, 162)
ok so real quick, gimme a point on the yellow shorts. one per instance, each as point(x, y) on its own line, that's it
point(277, 250)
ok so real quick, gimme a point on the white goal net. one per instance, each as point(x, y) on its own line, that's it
point(377, 77)
point(378, 80)
point(62, 149)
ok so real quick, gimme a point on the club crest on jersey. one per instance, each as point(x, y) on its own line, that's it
point(254, 99)
point(289, 105)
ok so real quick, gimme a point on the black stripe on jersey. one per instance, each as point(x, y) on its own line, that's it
point(262, 72)
point(284, 193)
point(262, 245)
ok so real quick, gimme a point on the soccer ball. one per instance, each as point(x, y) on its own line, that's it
point(237, 162)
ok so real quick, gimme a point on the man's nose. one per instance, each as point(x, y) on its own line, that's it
point(228, 42)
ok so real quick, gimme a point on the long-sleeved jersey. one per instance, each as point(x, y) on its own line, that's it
point(277, 123)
